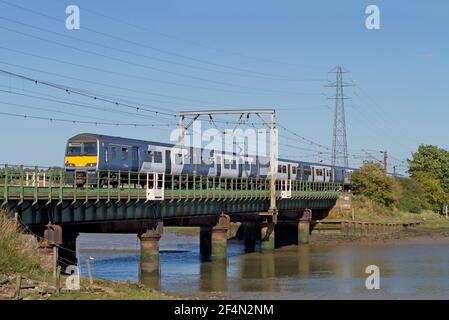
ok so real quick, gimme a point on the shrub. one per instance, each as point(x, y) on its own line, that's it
point(15, 256)
point(411, 196)
point(372, 182)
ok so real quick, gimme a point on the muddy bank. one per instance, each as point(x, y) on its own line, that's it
point(417, 235)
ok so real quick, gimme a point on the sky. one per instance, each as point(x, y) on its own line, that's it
point(172, 55)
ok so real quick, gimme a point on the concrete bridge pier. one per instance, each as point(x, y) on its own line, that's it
point(304, 227)
point(213, 239)
point(67, 250)
point(149, 267)
point(267, 236)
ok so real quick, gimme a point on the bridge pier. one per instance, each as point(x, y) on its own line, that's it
point(267, 236)
point(304, 227)
point(149, 267)
point(67, 250)
point(213, 240)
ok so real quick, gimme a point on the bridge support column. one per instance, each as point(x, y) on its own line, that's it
point(67, 250)
point(149, 267)
point(267, 235)
point(213, 240)
point(304, 227)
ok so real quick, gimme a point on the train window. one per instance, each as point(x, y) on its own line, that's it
point(294, 170)
point(319, 172)
point(227, 164)
point(157, 157)
point(178, 158)
point(124, 154)
point(90, 148)
point(148, 156)
point(282, 169)
point(307, 171)
point(234, 164)
point(113, 153)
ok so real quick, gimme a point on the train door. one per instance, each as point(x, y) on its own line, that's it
point(135, 159)
point(240, 163)
point(168, 161)
point(218, 165)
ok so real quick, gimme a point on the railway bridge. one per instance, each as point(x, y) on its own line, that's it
point(56, 211)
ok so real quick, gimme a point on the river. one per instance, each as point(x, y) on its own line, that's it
point(407, 270)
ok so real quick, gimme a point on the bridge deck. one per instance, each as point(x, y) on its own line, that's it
point(40, 196)
point(21, 184)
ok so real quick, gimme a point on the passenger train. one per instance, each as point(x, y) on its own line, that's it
point(89, 156)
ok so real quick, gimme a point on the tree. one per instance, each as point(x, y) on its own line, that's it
point(411, 196)
point(431, 160)
point(372, 182)
point(433, 190)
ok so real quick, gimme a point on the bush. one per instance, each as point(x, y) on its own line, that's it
point(411, 196)
point(432, 191)
point(15, 256)
point(372, 182)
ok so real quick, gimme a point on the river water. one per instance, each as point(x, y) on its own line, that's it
point(407, 270)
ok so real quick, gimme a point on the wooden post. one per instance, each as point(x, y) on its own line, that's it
point(55, 261)
point(58, 280)
point(18, 285)
point(89, 271)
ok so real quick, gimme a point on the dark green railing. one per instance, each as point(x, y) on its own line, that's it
point(54, 184)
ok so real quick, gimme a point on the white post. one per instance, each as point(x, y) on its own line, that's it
point(273, 163)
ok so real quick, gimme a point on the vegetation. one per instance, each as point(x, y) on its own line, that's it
point(433, 161)
point(16, 254)
point(427, 188)
point(372, 182)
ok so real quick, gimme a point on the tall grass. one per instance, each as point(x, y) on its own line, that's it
point(16, 254)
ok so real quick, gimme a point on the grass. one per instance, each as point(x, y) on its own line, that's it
point(112, 290)
point(366, 210)
point(17, 253)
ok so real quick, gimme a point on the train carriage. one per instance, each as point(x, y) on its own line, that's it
point(90, 157)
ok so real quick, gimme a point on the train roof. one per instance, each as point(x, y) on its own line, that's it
point(115, 139)
point(105, 138)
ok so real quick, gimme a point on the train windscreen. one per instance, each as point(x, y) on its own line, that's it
point(82, 148)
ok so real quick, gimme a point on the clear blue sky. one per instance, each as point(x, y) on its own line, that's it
point(401, 71)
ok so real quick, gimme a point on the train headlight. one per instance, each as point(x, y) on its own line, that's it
point(91, 164)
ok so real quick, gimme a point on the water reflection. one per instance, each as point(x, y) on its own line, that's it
point(288, 272)
point(213, 275)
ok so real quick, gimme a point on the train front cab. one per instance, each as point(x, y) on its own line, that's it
point(81, 162)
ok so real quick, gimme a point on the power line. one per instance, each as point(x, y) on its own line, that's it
point(208, 104)
point(70, 90)
point(144, 45)
point(81, 121)
point(188, 76)
point(128, 52)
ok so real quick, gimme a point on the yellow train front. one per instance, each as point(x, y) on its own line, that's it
point(81, 161)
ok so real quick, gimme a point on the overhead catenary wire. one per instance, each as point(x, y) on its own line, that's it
point(134, 53)
point(133, 90)
point(142, 45)
point(149, 67)
point(70, 90)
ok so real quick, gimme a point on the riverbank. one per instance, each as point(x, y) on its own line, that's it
point(417, 235)
point(102, 289)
